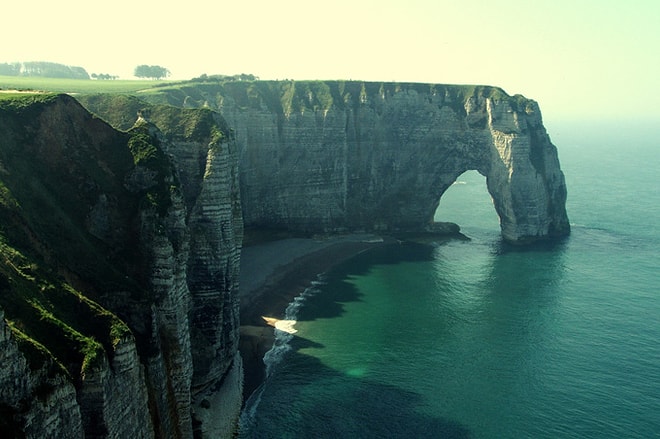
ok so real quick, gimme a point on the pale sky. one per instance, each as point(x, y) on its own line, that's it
point(577, 58)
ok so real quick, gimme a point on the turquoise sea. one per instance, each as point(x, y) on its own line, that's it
point(477, 339)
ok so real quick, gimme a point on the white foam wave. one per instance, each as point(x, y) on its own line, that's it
point(285, 328)
point(250, 411)
point(284, 333)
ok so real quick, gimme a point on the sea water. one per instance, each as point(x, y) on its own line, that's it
point(482, 340)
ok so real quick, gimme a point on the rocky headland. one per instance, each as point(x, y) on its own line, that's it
point(122, 223)
point(336, 156)
point(119, 279)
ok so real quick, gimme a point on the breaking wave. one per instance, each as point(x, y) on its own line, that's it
point(284, 334)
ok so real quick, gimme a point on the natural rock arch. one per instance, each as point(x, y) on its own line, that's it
point(382, 161)
point(467, 202)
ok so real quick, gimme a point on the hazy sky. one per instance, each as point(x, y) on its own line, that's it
point(577, 58)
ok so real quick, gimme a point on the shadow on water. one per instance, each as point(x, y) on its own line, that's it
point(253, 347)
point(344, 291)
point(328, 404)
point(305, 398)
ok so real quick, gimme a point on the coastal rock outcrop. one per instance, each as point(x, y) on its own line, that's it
point(342, 156)
point(119, 279)
point(120, 246)
point(380, 156)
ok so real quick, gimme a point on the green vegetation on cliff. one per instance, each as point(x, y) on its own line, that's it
point(52, 319)
point(52, 176)
point(73, 191)
point(282, 97)
point(147, 154)
point(121, 111)
point(18, 101)
point(287, 97)
point(94, 232)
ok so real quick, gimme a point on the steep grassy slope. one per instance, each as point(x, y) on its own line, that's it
point(99, 228)
point(121, 110)
point(56, 240)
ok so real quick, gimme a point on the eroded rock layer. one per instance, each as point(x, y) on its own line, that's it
point(120, 246)
point(118, 285)
point(329, 156)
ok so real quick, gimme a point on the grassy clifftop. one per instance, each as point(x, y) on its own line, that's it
point(285, 97)
point(122, 110)
point(64, 85)
point(279, 96)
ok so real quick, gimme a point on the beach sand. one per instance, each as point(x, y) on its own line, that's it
point(274, 273)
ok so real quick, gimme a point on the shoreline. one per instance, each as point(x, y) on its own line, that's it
point(272, 275)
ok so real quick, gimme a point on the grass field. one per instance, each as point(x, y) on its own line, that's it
point(59, 85)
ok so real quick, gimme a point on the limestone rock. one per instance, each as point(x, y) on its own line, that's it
point(36, 403)
point(368, 156)
point(121, 261)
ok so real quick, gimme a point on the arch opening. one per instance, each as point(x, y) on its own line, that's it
point(468, 203)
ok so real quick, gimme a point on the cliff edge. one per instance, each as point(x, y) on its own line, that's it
point(120, 247)
point(324, 156)
point(119, 273)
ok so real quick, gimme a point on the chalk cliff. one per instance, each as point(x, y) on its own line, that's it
point(120, 246)
point(339, 156)
point(118, 285)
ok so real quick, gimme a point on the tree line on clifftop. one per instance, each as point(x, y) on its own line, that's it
point(43, 69)
point(46, 69)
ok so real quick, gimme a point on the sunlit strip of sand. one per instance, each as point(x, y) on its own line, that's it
point(283, 325)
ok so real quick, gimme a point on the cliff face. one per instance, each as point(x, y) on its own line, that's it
point(55, 412)
point(205, 159)
point(382, 158)
point(334, 156)
point(120, 247)
point(120, 270)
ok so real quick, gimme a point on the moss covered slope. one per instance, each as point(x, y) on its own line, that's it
point(63, 243)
